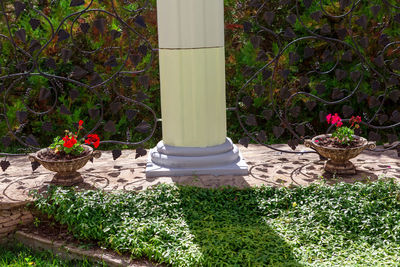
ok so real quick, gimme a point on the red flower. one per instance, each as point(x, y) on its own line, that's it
point(69, 142)
point(233, 26)
point(80, 122)
point(355, 120)
point(339, 124)
point(93, 139)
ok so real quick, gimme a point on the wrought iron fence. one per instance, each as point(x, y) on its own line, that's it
point(320, 57)
point(68, 60)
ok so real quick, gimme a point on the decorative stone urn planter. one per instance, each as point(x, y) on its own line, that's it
point(339, 158)
point(66, 170)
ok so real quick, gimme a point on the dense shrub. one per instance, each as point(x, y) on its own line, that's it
point(357, 42)
point(89, 49)
point(307, 60)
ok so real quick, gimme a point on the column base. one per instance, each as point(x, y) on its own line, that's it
point(225, 159)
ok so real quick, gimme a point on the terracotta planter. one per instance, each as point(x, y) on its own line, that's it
point(66, 170)
point(339, 158)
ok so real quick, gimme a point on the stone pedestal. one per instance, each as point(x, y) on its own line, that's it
point(224, 159)
point(193, 104)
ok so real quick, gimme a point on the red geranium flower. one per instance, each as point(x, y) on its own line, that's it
point(93, 139)
point(69, 142)
point(355, 120)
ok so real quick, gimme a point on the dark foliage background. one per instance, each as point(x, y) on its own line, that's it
point(350, 62)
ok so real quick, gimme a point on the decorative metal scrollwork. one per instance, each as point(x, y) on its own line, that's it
point(319, 57)
point(70, 60)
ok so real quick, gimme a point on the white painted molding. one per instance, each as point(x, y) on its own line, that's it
point(214, 160)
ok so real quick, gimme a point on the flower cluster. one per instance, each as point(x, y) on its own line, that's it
point(343, 134)
point(334, 119)
point(354, 121)
point(93, 139)
point(70, 143)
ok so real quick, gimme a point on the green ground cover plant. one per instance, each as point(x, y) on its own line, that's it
point(341, 225)
point(17, 255)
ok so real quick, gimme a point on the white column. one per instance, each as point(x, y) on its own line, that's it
point(193, 105)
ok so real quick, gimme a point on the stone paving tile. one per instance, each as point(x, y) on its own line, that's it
point(267, 167)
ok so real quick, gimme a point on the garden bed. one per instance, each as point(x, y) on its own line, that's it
point(187, 226)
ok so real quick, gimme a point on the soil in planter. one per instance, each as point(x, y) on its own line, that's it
point(49, 154)
point(331, 142)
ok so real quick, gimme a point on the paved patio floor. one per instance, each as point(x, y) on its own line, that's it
point(267, 167)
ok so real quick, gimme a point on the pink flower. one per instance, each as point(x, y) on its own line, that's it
point(335, 119)
point(328, 118)
point(339, 124)
point(316, 141)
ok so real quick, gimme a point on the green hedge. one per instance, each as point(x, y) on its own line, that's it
point(247, 50)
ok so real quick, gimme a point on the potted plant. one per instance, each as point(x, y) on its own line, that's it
point(341, 146)
point(67, 155)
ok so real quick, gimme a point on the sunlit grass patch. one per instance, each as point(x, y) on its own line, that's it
point(17, 255)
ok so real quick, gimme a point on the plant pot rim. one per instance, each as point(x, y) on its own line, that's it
point(365, 142)
point(87, 148)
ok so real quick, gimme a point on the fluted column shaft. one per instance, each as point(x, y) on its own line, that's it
point(192, 72)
